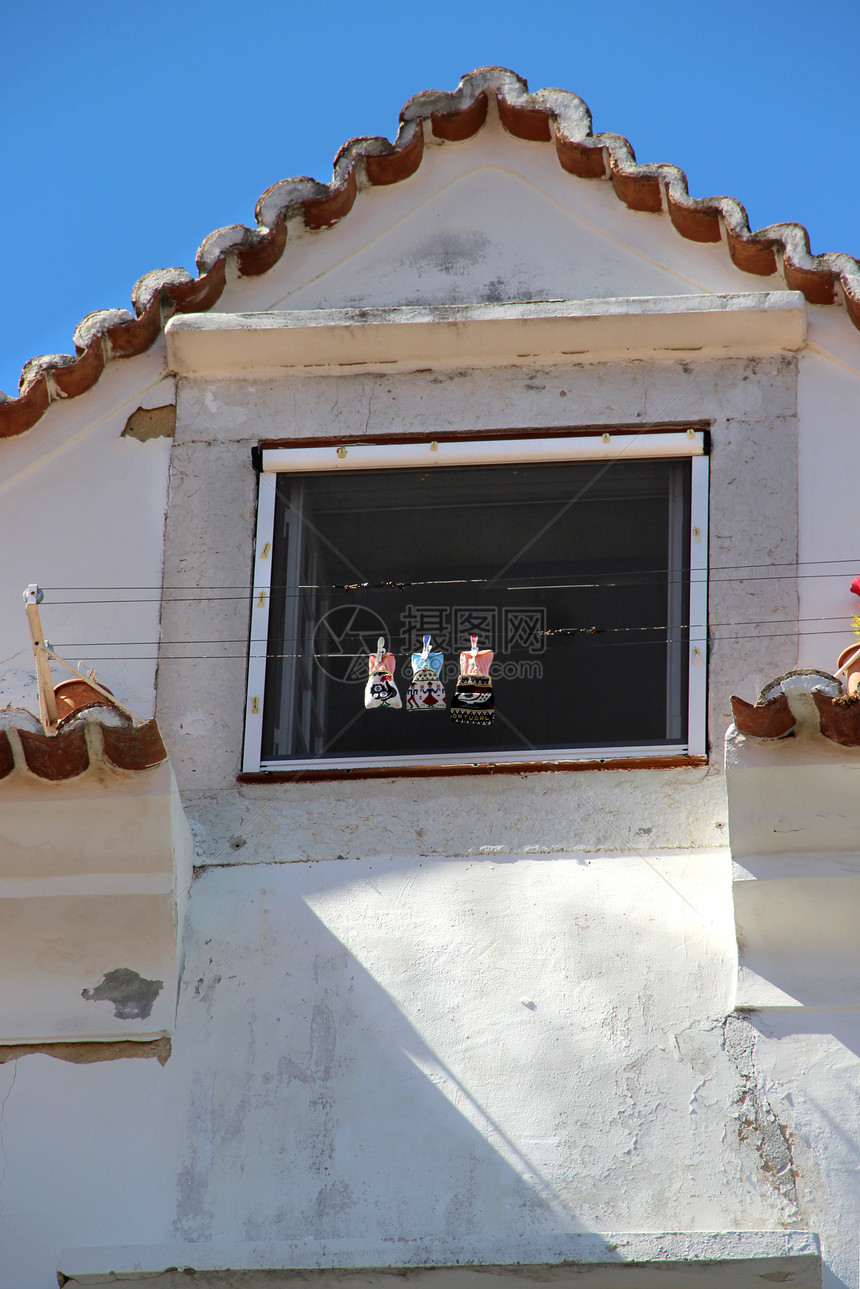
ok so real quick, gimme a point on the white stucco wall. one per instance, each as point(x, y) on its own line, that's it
point(83, 516)
point(828, 399)
point(389, 1061)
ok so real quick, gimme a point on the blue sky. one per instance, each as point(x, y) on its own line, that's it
point(130, 132)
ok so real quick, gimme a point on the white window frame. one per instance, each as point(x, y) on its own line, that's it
point(606, 446)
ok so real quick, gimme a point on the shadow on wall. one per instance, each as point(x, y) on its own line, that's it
point(450, 1051)
point(799, 933)
point(310, 1085)
point(816, 1072)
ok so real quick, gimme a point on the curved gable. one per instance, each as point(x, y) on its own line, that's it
point(430, 122)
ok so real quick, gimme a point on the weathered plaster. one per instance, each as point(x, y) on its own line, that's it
point(405, 1060)
point(131, 994)
point(151, 423)
point(87, 1053)
point(752, 588)
point(635, 393)
point(410, 981)
point(208, 557)
point(409, 1005)
point(520, 814)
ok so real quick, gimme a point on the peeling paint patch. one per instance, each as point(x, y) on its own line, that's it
point(133, 997)
point(90, 1053)
point(151, 423)
point(758, 1125)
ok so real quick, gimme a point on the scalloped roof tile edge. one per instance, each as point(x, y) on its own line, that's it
point(71, 752)
point(546, 116)
point(838, 717)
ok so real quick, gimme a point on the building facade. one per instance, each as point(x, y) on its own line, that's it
point(297, 989)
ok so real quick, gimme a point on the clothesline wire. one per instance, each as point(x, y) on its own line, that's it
point(550, 631)
point(852, 561)
point(396, 583)
point(275, 654)
point(528, 585)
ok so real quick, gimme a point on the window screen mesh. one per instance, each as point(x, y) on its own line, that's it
point(507, 552)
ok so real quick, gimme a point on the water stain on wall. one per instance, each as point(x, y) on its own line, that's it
point(133, 997)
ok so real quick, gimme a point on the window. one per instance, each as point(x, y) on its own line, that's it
point(579, 561)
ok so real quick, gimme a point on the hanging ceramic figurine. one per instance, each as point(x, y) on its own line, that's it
point(380, 690)
point(472, 700)
point(426, 693)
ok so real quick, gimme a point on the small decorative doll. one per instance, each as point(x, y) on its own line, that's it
point(472, 700)
point(380, 690)
point(426, 693)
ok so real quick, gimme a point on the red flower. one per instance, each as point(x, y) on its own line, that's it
point(855, 586)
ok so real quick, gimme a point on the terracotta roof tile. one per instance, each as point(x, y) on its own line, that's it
point(546, 116)
point(581, 157)
point(197, 294)
point(463, 122)
point(393, 162)
point(771, 719)
point(636, 188)
point(43, 365)
point(79, 376)
point(129, 338)
point(839, 719)
point(88, 743)
point(531, 123)
point(137, 748)
point(753, 254)
point(7, 756)
point(264, 252)
point(157, 283)
point(801, 701)
point(95, 324)
point(19, 414)
point(61, 756)
point(698, 221)
point(327, 208)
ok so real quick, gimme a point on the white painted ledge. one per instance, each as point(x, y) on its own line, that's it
point(230, 344)
point(794, 819)
point(94, 876)
point(713, 1260)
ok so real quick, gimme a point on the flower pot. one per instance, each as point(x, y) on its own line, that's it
point(852, 671)
point(74, 695)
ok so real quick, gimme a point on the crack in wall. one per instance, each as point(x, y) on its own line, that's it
point(2, 1113)
point(89, 1051)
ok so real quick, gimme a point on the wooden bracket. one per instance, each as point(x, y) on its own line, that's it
point(47, 702)
point(48, 711)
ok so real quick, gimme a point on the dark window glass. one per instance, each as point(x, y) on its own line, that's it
point(506, 552)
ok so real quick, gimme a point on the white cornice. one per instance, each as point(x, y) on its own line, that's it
point(409, 337)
